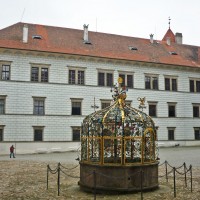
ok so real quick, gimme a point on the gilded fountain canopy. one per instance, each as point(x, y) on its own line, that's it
point(119, 133)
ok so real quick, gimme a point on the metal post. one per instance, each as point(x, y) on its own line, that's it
point(123, 145)
point(94, 174)
point(191, 176)
point(174, 172)
point(47, 177)
point(58, 179)
point(141, 184)
point(166, 170)
point(185, 171)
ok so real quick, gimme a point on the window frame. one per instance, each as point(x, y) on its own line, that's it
point(151, 103)
point(76, 74)
point(126, 74)
point(151, 83)
point(1, 133)
point(76, 100)
point(194, 86)
point(195, 136)
point(171, 104)
point(3, 97)
point(105, 78)
point(38, 99)
point(105, 101)
point(168, 132)
point(5, 63)
point(40, 74)
point(171, 78)
point(36, 128)
point(198, 107)
point(75, 128)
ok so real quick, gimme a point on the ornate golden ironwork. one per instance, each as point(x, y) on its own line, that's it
point(118, 134)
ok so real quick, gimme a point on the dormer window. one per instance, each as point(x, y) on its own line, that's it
point(38, 37)
point(173, 53)
point(133, 48)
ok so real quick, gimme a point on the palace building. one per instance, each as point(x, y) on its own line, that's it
point(52, 77)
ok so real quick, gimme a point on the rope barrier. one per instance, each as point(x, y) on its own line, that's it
point(69, 168)
point(69, 175)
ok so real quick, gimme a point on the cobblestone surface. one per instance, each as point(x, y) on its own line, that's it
point(22, 179)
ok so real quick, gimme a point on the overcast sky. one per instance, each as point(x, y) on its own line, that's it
point(137, 18)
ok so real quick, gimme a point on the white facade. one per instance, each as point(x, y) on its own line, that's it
point(18, 121)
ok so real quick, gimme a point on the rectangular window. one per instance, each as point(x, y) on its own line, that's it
point(5, 68)
point(105, 103)
point(171, 133)
point(76, 106)
point(127, 79)
point(196, 110)
point(39, 73)
point(1, 134)
point(38, 133)
point(44, 75)
point(197, 133)
point(171, 109)
point(35, 74)
point(76, 132)
point(170, 84)
point(151, 82)
point(38, 105)
point(105, 79)
point(81, 77)
point(76, 76)
point(152, 109)
point(194, 85)
point(5, 75)
point(2, 104)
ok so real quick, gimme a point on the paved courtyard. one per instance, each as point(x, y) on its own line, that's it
point(25, 177)
point(174, 155)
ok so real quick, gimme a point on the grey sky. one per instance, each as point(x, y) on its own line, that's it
point(137, 18)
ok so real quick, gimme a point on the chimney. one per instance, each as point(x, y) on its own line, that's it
point(168, 40)
point(179, 38)
point(85, 34)
point(25, 33)
point(151, 38)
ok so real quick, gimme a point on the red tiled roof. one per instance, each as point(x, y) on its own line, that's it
point(70, 41)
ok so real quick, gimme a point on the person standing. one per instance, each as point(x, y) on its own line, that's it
point(12, 151)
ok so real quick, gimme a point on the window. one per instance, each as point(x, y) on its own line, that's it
point(127, 79)
point(39, 73)
point(76, 76)
point(105, 79)
point(171, 109)
point(5, 70)
point(38, 105)
point(38, 133)
point(151, 82)
point(170, 84)
point(1, 134)
point(76, 133)
point(197, 133)
point(171, 133)
point(105, 103)
point(196, 110)
point(152, 109)
point(2, 104)
point(194, 85)
point(76, 106)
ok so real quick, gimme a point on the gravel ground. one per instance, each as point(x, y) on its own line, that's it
point(22, 179)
